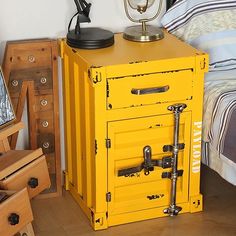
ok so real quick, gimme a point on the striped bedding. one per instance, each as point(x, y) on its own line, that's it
point(210, 25)
point(219, 123)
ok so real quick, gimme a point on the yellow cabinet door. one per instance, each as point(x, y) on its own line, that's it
point(138, 191)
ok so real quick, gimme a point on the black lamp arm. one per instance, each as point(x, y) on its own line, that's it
point(83, 7)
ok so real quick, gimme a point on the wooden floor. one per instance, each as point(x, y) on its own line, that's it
point(62, 216)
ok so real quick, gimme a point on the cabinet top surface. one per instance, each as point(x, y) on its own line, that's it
point(125, 52)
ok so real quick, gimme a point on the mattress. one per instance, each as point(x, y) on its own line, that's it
point(219, 123)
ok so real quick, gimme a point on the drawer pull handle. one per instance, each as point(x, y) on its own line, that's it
point(143, 91)
point(14, 219)
point(33, 182)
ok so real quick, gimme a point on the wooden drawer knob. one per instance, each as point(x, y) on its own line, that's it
point(33, 182)
point(14, 219)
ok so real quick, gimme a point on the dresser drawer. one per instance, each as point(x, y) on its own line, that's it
point(15, 214)
point(149, 89)
point(33, 175)
point(24, 168)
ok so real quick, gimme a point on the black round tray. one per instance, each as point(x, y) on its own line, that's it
point(90, 38)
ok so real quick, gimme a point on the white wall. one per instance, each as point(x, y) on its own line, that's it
point(24, 19)
point(27, 19)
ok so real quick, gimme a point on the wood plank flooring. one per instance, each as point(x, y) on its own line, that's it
point(62, 216)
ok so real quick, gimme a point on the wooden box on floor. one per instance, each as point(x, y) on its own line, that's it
point(22, 168)
point(16, 214)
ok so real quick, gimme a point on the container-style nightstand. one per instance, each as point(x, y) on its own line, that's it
point(131, 110)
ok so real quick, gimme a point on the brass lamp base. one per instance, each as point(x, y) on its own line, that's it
point(136, 33)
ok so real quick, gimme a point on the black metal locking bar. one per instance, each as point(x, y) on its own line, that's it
point(169, 174)
point(148, 164)
point(169, 148)
point(173, 209)
point(129, 171)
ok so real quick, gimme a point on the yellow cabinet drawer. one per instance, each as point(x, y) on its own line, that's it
point(149, 89)
point(15, 214)
point(29, 171)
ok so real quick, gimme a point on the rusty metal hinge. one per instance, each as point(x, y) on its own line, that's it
point(108, 90)
point(96, 146)
point(203, 64)
point(108, 143)
point(96, 76)
point(108, 197)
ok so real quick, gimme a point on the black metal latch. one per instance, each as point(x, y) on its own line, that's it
point(148, 164)
point(169, 148)
point(169, 174)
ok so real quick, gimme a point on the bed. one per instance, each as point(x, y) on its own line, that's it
point(210, 25)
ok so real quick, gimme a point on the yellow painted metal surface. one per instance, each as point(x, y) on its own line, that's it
point(108, 123)
point(172, 82)
point(135, 192)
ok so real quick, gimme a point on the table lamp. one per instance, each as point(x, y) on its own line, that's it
point(143, 33)
point(87, 38)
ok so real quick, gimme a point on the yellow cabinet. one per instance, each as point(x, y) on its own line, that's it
point(120, 131)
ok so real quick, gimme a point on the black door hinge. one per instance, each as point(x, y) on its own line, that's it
point(169, 148)
point(108, 92)
point(108, 197)
point(169, 174)
point(108, 143)
point(96, 146)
